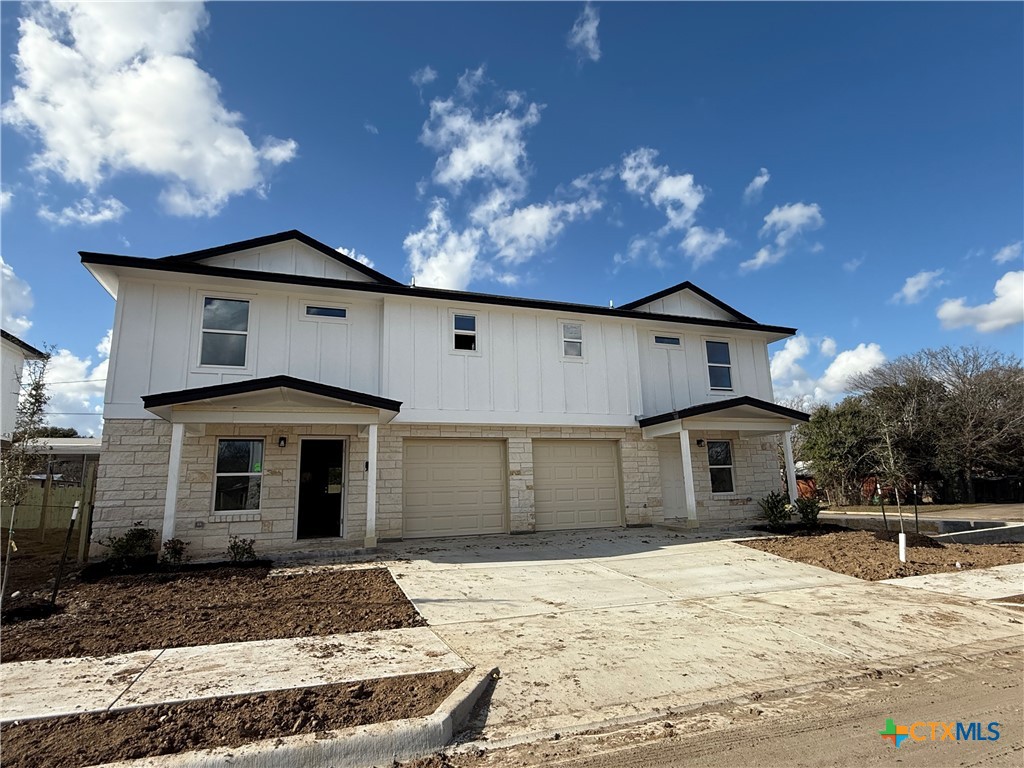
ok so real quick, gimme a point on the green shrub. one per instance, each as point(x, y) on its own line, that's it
point(775, 510)
point(241, 550)
point(807, 510)
point(174, 552)
point(135, 544)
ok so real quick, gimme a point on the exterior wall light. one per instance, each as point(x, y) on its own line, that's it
point(700, 443)
point(282, 441)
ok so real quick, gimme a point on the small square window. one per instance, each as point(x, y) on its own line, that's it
point(464, 328)
point(572, 340)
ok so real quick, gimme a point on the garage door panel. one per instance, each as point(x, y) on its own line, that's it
point(576, 484)
point(453, 487)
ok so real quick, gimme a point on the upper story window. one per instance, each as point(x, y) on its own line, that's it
point(464, 330)
point(225, 332)
point(720, 465)
point(572, 339)
point(668, 341)
point(239, 475)
point(333, 312)
point(719, 364)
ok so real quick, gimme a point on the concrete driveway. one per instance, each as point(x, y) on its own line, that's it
point(616, 626)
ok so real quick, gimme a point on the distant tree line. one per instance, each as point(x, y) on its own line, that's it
point(942, 418)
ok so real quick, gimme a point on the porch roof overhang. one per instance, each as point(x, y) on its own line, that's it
point(743, 414)
point(274, 400)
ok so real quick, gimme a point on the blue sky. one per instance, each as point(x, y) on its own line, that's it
point(854, 170)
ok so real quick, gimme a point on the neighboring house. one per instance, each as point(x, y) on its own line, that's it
point(15, 353)
point(278, 390)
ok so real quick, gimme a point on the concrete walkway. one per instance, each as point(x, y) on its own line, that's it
point(975, 584)
point(34, 689)
point(620, 625)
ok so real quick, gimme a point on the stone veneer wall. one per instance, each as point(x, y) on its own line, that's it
point(132, 478)
point(755, 474)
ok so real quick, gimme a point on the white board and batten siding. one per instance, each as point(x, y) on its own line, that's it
point(687, 304)
point(453, 488)
point(576, 484)
point(675, 377)
point(156, 341)
point(517, 374)
point(288, 258)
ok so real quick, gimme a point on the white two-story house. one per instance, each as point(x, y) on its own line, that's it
point(278, 390)
point(14, 353)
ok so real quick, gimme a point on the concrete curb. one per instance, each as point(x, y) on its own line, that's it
point(359, 747)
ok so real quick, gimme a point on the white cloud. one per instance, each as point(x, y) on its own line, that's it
point(423, 76)
point(440, 256)
point(17, 300)
point(86, 212)
point(677, 195)
point(1011, 252)
point(76, 386)
point(916, 287)
point(5, 199)
point(791, 381)
point(756, 186)
point(583, 35)
point(491, 148)
point(351, 253)
point(110, 88)
point(640, 248)
point(701, 244)
point(371, 128)
point(785, 222)
point(853, 264)
point(1006, 309)
point(523, 232)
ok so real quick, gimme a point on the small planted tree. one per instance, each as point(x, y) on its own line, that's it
point(775, 510)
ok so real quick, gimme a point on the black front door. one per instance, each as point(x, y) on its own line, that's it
point(321, 488)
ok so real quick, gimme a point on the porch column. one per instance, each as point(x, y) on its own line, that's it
point(787, 452)
point(689, 494)
point(371, 490)
point(173, 475)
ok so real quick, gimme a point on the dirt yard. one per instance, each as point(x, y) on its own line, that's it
point(871, 556)
point(121, 614)
point(225, 722)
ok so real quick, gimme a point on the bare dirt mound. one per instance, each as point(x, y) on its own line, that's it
point(121, 614)
point(875, 556)
point(225, 722)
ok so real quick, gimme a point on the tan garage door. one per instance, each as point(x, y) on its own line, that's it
point(576, 484)
point(453, 487)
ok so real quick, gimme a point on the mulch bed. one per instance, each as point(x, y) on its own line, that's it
point(230, 721)
point(204, 605)
point(875, 555)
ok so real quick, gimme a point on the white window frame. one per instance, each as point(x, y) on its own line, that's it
point(452, 332)
point(250, 332)
point(730, 467)
point(216, 474)
point(708, 365)
point(582, 340)
point(655, 335)
point(304, 305)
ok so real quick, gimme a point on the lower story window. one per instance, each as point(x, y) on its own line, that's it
point(239, 475)
point(720, 465)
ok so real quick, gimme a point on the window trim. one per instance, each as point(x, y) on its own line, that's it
point(249, 333)
point(582, 356)
point(708, 365)
point(731, 467)
point(452, 332)
point(306, 318)
point(216, 474)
